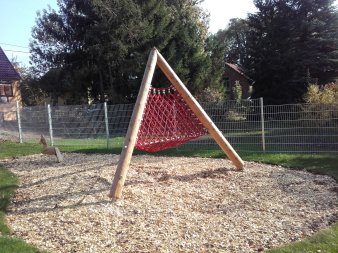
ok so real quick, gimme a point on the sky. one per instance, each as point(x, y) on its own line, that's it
point(18, 17)
point(221, 11)
point(16, 21)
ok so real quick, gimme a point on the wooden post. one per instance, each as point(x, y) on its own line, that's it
point(133, 128)
point(200, 113)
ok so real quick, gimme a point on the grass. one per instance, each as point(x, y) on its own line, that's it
point(325, 241)
point(8, 185)
point(11, 149)
point(325, 164)
point(13, 245)
point(8, 244)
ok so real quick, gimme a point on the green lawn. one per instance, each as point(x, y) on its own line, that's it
point(13, 245)
point(326, 164)
point(326, 241)
point(8, 184)
point(323, 242)
point(10, 149)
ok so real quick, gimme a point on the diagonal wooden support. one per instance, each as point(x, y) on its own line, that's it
point(134, 126)
point(155, 58)
point(200, 113)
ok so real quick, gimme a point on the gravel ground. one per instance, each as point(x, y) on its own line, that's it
point(169, 204)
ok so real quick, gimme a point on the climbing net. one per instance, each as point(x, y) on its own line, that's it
point(167, 121)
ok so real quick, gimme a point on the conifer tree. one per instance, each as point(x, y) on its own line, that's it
point(101, 46)
point(290, 42)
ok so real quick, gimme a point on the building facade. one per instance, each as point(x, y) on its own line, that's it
point(233, 73)
point(9, 88)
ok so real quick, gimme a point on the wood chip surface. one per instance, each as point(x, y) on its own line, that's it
point(169, 204)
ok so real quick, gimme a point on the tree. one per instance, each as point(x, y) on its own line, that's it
point(237, 91)
point(216, 51)
point(228, 45)
point(326, 94)
point(101, 46)
point(289, 42)
point(30, 92)
point(86, 41)
point(234, 38)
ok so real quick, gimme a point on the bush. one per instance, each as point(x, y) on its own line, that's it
point(322, 104)
point(237, 91)
point(211, 95)
point(326, 94)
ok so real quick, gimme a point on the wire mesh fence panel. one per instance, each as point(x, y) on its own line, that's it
point(305, 128)
point(79, 125)
point(118, 121)
point(86, 125)
point(118, 118)
point(34, 122)
point(238, 121)
point(248, 126)
point(9, 125)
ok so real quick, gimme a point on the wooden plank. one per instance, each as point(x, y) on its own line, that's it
point(200, 113)
point(133, 128)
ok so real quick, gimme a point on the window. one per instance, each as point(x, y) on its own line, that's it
point(226, 83)
point(6, 90)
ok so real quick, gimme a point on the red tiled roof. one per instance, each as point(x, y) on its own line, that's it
point(7, 71)
point(238, 69)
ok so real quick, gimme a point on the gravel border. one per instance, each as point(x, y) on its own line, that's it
point(169, 204)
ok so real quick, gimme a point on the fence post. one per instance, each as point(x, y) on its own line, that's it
point(18, 118)
point(262, 122)
point(106, 121)
point(50, 125)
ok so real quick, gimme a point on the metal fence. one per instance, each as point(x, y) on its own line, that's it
point(248, 125)
point(252, 126)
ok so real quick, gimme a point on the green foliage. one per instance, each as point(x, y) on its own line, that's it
point(289, 43)
point(216, 51)
point(31, 94)
point(237, 91)
point(322, 97)
point(211, 95)
point(228, 45)
point(234, 39)
point(327, 94)
point(99, 48)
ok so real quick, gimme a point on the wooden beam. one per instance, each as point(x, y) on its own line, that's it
point(133, 128)
point(200, 113)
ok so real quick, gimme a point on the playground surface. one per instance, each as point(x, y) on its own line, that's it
point(169, 204)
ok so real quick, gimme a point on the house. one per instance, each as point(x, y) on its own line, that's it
point(233, 73)
point(9, 88)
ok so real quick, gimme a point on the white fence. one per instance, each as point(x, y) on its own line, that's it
point(250, 126)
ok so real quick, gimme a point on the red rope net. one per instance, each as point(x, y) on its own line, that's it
point(167, 121)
